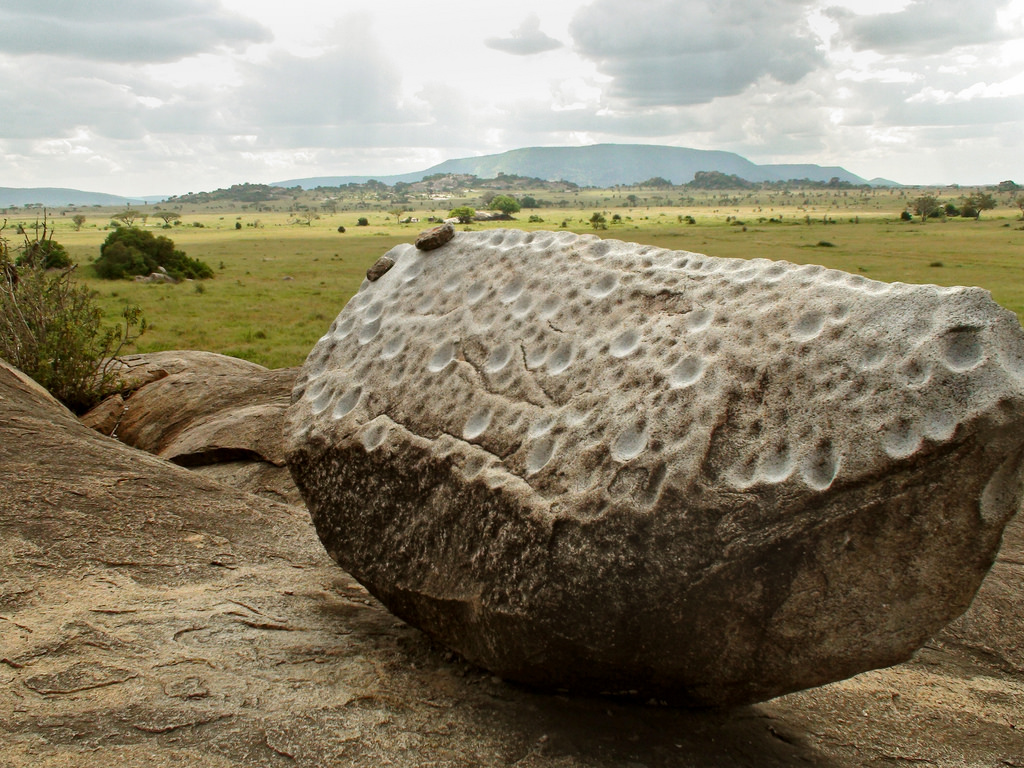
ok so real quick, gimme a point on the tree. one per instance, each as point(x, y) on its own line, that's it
point(1020, 204)
point(981, 201)
point(632, 200)
point(528, 201)
point(129, 251)
point(463, 213)
point(598, 221)
point(78, 220)
point(126, 217)
point(506, 204)
point(397, 213)
point(925, 206)
point(167, 216)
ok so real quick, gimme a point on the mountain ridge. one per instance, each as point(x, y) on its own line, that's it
point(596, 165)
point(603, 165)
point(57, 197)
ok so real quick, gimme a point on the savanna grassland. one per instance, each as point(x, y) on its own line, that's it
point(283, 270)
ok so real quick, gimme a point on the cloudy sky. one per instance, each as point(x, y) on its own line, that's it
point(172, 96)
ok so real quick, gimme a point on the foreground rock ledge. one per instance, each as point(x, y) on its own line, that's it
point(606, 467)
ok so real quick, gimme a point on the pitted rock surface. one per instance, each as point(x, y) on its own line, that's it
point(607, 467)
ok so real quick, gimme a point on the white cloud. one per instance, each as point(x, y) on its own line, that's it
point(186, 95)
point(926, 26)
point(526, 40)
point(123, 30)
point(660, 52)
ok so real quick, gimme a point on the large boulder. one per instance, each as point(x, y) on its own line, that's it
point(607, 467)
point(149, 617)
point(218, 415)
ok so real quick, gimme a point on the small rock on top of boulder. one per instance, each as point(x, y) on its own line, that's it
point(607, 467)
point(435, 237)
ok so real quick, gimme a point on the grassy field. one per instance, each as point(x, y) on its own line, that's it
point(280, 281)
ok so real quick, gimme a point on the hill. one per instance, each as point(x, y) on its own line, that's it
point(56, 197)
point(602, 165)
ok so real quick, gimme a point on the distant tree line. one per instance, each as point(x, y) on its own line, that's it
point(970, 207)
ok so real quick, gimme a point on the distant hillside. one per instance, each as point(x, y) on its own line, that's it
point(602, 165)
point(58, 197)
point(812, 172)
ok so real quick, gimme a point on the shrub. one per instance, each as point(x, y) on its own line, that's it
point(45, 253)
point(463, 213)
point(51, 329)
point(362, 221)
point(128, 251)
point(506, 204)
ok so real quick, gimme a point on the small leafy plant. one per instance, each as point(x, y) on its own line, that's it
point(52, 330)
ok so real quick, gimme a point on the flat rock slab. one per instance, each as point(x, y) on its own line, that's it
point(606, 467)
point(217, 414)
point(151, 618)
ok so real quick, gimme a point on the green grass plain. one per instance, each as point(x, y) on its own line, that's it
point(280, 283)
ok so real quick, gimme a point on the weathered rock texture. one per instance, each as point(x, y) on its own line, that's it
point(151, 618)
point(433, 238)
point(221, 416)
point(599, 466)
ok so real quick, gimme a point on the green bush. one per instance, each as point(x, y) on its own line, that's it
point(129, 251)
point(463, 213)
point(506, 204)
point(45, 253)
point(51, 329)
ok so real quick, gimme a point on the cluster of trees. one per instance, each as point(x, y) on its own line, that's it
point(245, 193)
point(971, 206)
point(717, 180)
point(503, 203)
point(729, 181)
point(129, 251)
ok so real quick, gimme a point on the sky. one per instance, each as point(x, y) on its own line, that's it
point(176, 96)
